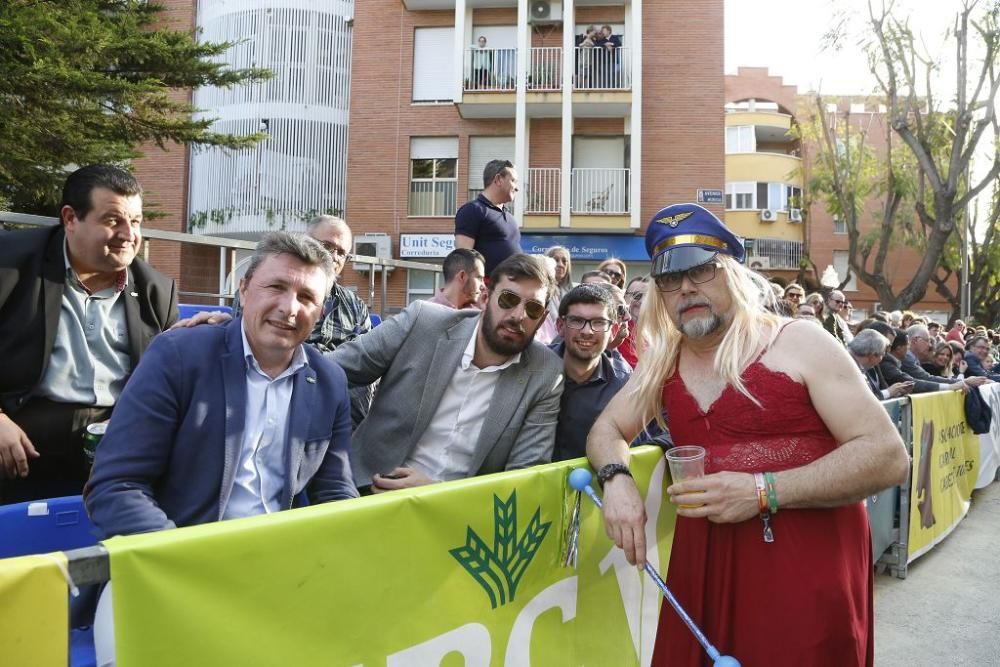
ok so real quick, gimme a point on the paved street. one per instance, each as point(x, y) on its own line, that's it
point(947, 610)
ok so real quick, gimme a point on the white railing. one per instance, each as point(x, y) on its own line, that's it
point(600, 68)
point(542, 190)
point(780, 254)
point(490, 70)
point(545, 71)
point(600, 191)
point(433, 198)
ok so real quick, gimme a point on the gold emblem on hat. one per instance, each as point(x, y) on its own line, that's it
point(674, 220)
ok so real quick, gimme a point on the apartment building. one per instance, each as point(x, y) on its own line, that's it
point(767, 171)
point(601, 138)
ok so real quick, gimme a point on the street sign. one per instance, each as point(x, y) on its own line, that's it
point(709, 196)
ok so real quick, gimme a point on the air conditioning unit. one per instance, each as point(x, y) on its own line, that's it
point(755, 262)
point(372, 245)
point(795, 215)
point(768, 215)
point(545, 11)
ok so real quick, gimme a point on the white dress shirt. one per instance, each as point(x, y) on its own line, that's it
point(444, 452)
point(260, 475)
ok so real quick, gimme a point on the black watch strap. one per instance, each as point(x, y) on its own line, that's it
point(610, 470)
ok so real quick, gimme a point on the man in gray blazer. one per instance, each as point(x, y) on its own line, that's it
point(462, 392)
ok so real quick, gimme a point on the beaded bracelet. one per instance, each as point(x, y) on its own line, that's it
point(772, 492)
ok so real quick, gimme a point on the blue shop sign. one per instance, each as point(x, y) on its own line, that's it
point(589, 246)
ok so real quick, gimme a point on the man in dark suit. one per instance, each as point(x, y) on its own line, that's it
point(867, 349)
point(891, 367)
point(77, 311)
point(231, 421)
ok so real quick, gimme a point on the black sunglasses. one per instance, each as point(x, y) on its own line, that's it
point(671, 282)
point(532, 308)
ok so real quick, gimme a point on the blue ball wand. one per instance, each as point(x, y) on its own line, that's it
point(579, 479)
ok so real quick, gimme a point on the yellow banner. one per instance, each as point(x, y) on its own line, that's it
point(34, 611)
point(945, 467)
point(472, 568)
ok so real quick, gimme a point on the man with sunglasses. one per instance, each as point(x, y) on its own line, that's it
point(461, 393)
point(834, 321)
point(587, 322)
point(754, 389)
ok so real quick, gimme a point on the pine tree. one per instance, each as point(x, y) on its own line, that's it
point(86, 81)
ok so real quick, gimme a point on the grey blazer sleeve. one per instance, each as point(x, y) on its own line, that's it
point(367, 358)
point(537, 436)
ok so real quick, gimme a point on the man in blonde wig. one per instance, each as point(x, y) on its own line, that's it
point(794, 441)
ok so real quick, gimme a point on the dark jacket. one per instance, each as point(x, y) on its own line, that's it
point(976, 368)
point(893, 373)
point(32, 277)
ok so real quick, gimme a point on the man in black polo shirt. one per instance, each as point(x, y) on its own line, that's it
point(587, 322)
point(483, 225)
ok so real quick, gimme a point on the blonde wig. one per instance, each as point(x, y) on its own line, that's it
point(658, 340)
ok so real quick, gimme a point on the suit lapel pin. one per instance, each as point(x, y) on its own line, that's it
point(310, 379)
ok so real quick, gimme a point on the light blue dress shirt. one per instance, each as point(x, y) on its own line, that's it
point(260, 475)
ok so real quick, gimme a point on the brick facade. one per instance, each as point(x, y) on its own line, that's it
point(682, 132)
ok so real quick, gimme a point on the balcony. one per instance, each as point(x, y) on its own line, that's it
point(774, 254)
point(602, 80)
point(592, 191)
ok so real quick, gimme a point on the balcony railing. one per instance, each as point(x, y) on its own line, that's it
point(490, 70)
point(598, 68)
point(545, 72)
point(495, 70)
point(542, 191)
point(600, 191)
point(779, 254)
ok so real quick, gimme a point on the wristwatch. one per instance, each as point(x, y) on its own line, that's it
point(610, 470)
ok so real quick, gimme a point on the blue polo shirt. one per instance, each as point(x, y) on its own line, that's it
point(581, 404)
point(495, 231)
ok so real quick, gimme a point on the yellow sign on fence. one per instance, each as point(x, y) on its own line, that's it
point(945, 467)
point(472, 568)
point(34, 612)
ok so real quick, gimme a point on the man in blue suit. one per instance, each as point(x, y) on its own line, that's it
point(231, 421)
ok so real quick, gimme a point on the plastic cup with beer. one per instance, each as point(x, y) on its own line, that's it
point(686, 462)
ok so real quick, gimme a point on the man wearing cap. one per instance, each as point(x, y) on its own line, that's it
point(778, 518)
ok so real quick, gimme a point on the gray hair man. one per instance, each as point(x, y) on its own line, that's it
point(920, 351)
point(835, 322)
point(867, 348)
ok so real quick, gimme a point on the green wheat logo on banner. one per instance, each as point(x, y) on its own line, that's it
point(499, 570)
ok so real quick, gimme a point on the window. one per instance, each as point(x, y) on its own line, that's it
point(481, 151)
point(419, 285)
point(740, 196)
point(433, 62)
point(740, 139)
point(433, 176)
point(793, 196)
point(840, 265)
point(839, 226)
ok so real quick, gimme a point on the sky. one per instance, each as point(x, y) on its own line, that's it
point(786, 36)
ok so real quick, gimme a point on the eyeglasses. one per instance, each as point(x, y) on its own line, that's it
point(532, 308)
point(671, 282)
point(838, 301)
point(794, 295)
point(613, 274)
point(335, 250)
point(597, 324)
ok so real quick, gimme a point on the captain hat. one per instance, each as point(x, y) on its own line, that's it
point(682, 236)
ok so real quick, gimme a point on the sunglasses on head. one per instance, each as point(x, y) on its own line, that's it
point(509, 300)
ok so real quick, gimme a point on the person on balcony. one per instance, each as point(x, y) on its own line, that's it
point(77, 311)
point(484, 224)
point(585, 57)
point(482, 63)
point(606, 58)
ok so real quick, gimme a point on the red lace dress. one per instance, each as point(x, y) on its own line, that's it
point(804, 599)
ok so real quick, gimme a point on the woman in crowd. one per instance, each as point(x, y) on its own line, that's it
point(616, 269)
point(942, 362)
point(816, 301)
point(564, 271)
